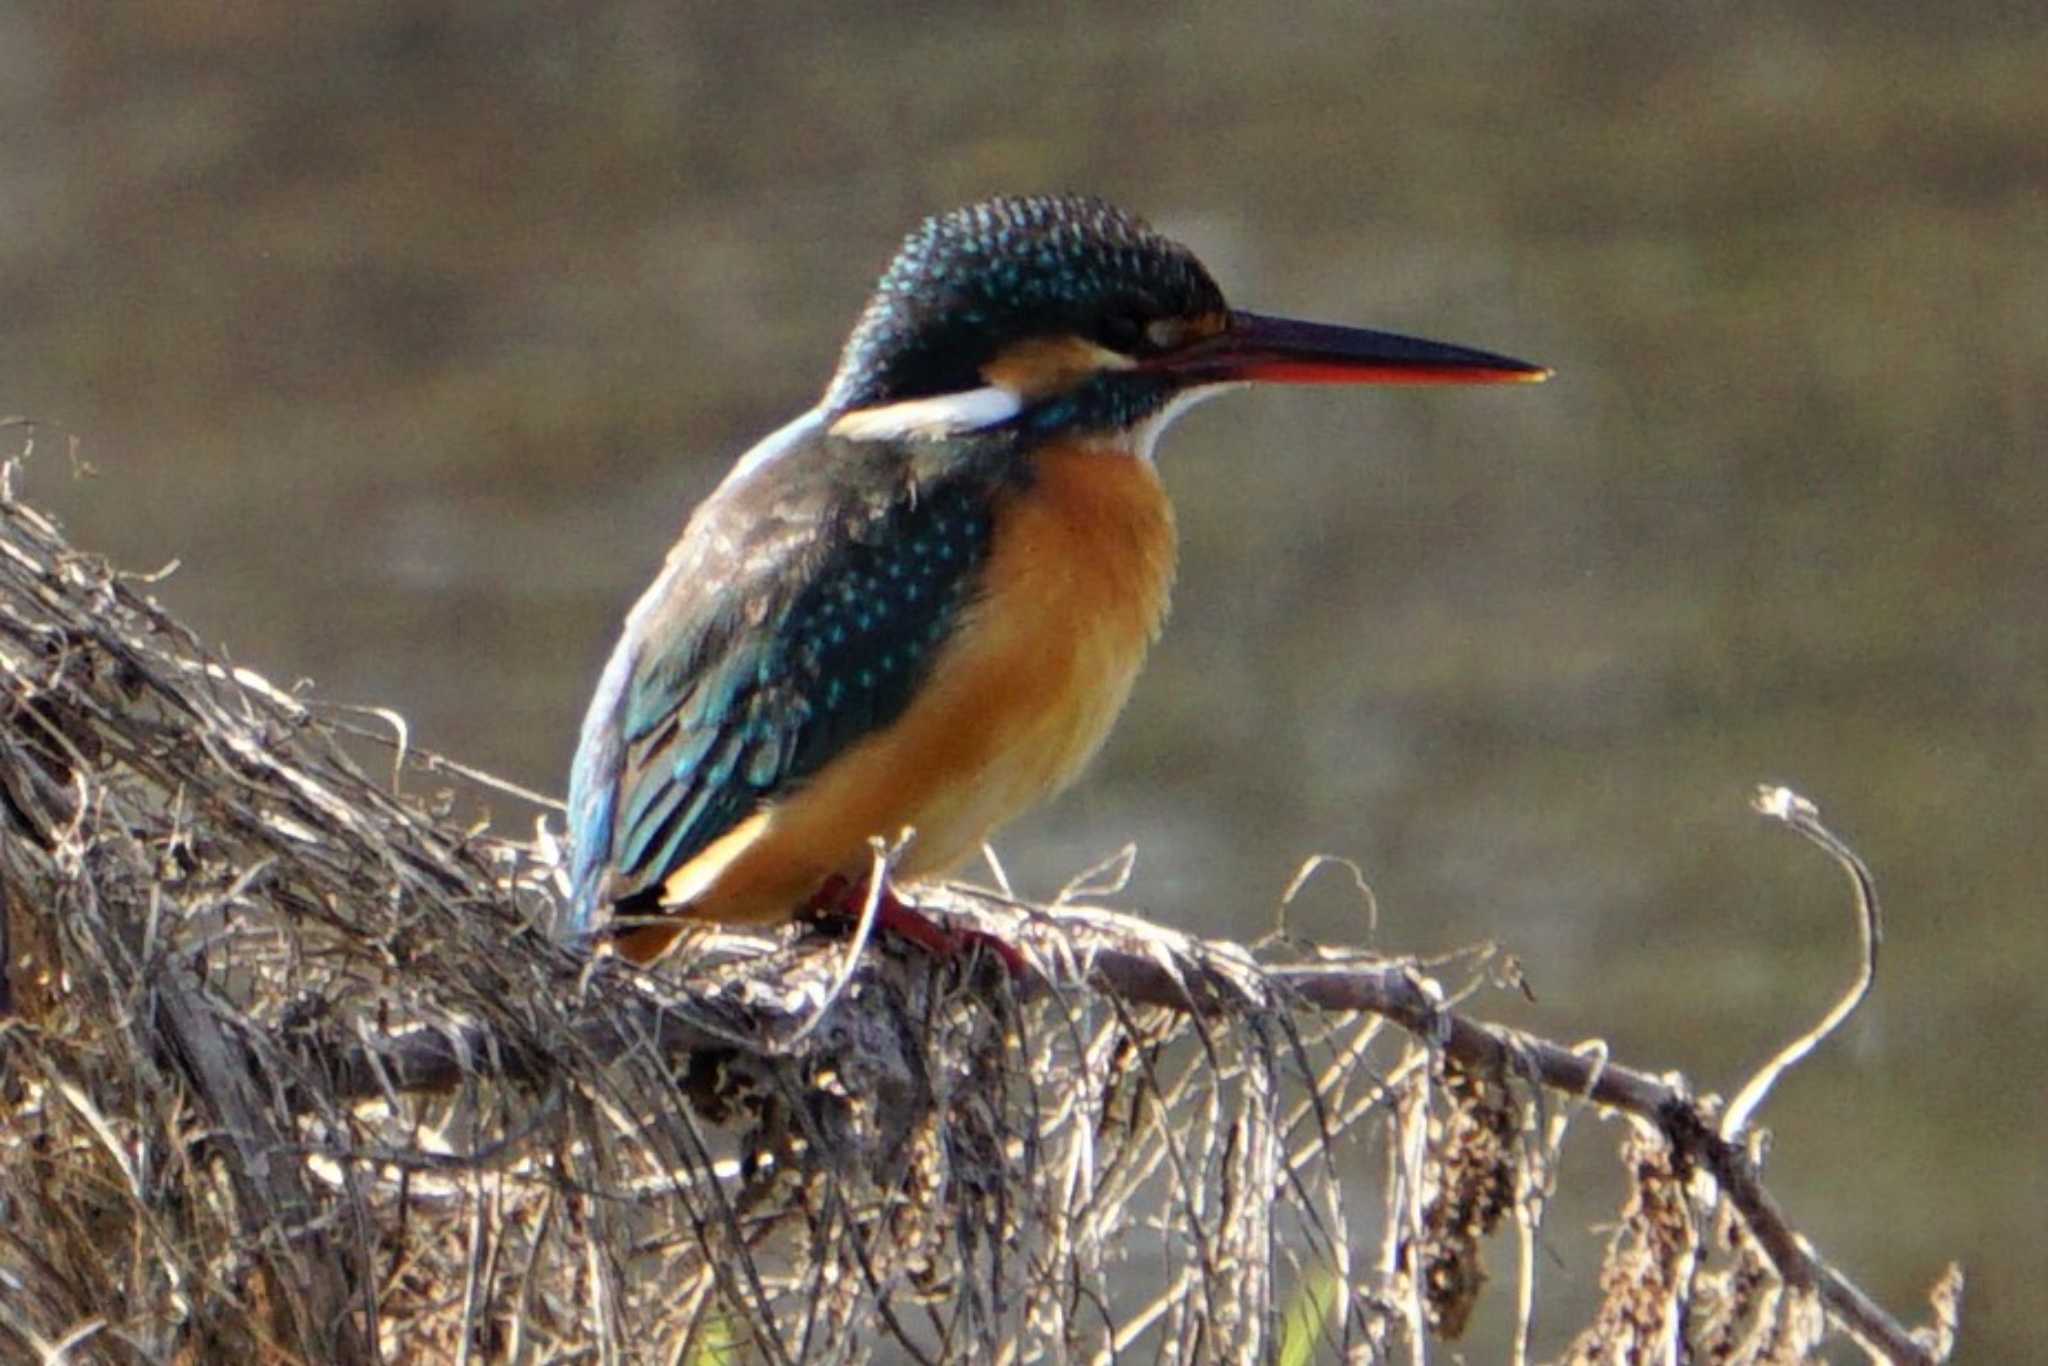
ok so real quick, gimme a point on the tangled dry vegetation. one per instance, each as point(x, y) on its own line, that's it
point(292, 1069)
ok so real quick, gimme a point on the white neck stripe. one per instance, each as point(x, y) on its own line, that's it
point(777, 442)
point(933, 418)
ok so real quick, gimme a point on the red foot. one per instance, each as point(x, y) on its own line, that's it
point(845, 898)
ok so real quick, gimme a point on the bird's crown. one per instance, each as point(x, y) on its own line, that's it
point(967, 286)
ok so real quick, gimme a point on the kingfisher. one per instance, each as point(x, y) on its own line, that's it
point(921, 605)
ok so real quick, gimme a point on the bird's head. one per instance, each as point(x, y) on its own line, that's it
point(1062, 312)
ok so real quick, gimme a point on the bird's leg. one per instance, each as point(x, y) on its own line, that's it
point(846, 898)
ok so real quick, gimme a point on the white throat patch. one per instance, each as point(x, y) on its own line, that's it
point(1147, 434)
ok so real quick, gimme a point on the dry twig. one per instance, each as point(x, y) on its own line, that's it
point(293, 1069)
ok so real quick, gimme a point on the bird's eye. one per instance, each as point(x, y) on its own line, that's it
point(1122, 332)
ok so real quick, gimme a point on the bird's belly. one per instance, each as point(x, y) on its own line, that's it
point(1016, 703)
point(1026, 728)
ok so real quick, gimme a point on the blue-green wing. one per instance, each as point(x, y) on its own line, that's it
point(799, 613)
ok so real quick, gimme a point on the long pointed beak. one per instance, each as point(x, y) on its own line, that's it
point(1255, 347)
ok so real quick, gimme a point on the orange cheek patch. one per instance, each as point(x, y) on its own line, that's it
point(1170, 334)
point(1050, 365)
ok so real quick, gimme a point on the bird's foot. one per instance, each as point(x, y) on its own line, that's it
point(846, 898)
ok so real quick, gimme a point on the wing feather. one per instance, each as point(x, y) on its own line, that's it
point(797, 615)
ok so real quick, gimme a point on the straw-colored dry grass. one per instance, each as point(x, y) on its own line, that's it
point(294, 1070)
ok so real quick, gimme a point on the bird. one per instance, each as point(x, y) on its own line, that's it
point(921, 605)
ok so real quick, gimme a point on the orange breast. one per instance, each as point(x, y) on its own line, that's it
point(1075, 590)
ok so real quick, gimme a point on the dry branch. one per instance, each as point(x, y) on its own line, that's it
point(293, 1068)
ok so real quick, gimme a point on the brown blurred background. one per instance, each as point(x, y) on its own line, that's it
point(413, 330)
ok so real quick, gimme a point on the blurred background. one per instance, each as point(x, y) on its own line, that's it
point(413, 330)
